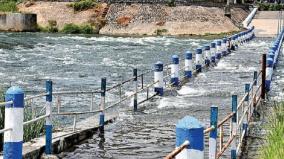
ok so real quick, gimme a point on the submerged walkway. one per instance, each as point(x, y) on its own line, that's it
point(151, 132)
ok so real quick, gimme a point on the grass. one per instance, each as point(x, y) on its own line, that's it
point(77, 29)
point(275, 138)
point(83, 5)
point(8, 5)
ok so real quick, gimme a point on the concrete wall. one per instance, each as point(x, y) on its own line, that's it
point(18, 22)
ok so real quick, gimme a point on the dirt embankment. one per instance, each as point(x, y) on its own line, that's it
point(138, 19)
point(62, 13)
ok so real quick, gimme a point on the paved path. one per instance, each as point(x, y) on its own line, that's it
point(266, 23)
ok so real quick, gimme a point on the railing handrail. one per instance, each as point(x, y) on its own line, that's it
point(177, 150)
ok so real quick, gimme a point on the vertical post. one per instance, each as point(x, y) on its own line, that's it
point(263, 75)
point(190, 129)
point(269, 72)
point(48, 120)
point(175, 70)
point(213, 133)
point(224, 46)
point(219, 49)
point(234, 127)
point(14, 117)
point(245, 121)
point(102, 107)
point(136, 89)
point(207, 55)
point(188, 64)
point(213, 52)
point(255, 78)
point(158, 78)
point(198, 58)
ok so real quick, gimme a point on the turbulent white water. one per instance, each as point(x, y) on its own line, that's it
point(78, 62)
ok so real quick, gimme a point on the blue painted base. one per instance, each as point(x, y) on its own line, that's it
point(175, 81)
point(102, 123)
point(267, 85)
point(213, 59)
point(233, 154)
point(160, 91)
point(188, 74)
point(48, 139)
point(198, 68)
point(207, 62)
point(245, 128)
point(224, 53)
point(13, 150)
point(218, 57)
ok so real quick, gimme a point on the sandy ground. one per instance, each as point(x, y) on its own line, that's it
point(180, 20)
point(59, 12)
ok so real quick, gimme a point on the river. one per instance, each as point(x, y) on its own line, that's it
point(79, 62)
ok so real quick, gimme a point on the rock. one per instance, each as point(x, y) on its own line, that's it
point(123, 21)
point(28, 3)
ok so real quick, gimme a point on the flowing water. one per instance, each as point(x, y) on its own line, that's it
point(79, 62)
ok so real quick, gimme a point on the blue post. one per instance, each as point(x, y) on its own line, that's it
point(190, 129)
point(219, 50)
point(213, 52)
point(207, 55)
point(213, 133)
point(135, 103)
point(198, 58)
point(14, 117)
point(48, 120)
point(234, 126)
point(175, 70)
point(245, 121)
point(224, 46)
point(269, 72)
point(255, 78)
point(158, 77)
point(188, 64)
point(102, 107)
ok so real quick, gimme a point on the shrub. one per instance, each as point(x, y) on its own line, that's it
point(161, 31)
point(83, 5)
point(171, 3)
point(8, 6)
point(76, 29)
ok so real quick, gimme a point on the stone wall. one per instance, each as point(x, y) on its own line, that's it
point(18, 22)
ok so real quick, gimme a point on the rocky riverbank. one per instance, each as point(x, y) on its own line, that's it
point(138, 19)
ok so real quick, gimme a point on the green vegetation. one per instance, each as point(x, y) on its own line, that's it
point(51, 28)
point(77, 29)
point(83, 5)
point(275, 139)
point(270, 6)
point(8, 5)
point(161, 31)
point(171, 3)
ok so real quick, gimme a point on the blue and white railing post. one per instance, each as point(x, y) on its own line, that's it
point(198, 60)
point(188, 64)
point(213, 52)
point(158, 78)
point(175, 70)
point(245, 121)
point(190, 129)
point(14, 117)
point(102, 106)
point(269, 72)
point(135, 100)
point(234, 127)
point(207, 55)
point(224, 46)
point(219, 50)
point(213, 133)
point(48, 120)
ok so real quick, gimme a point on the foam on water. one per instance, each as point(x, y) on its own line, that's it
point(189, 91)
